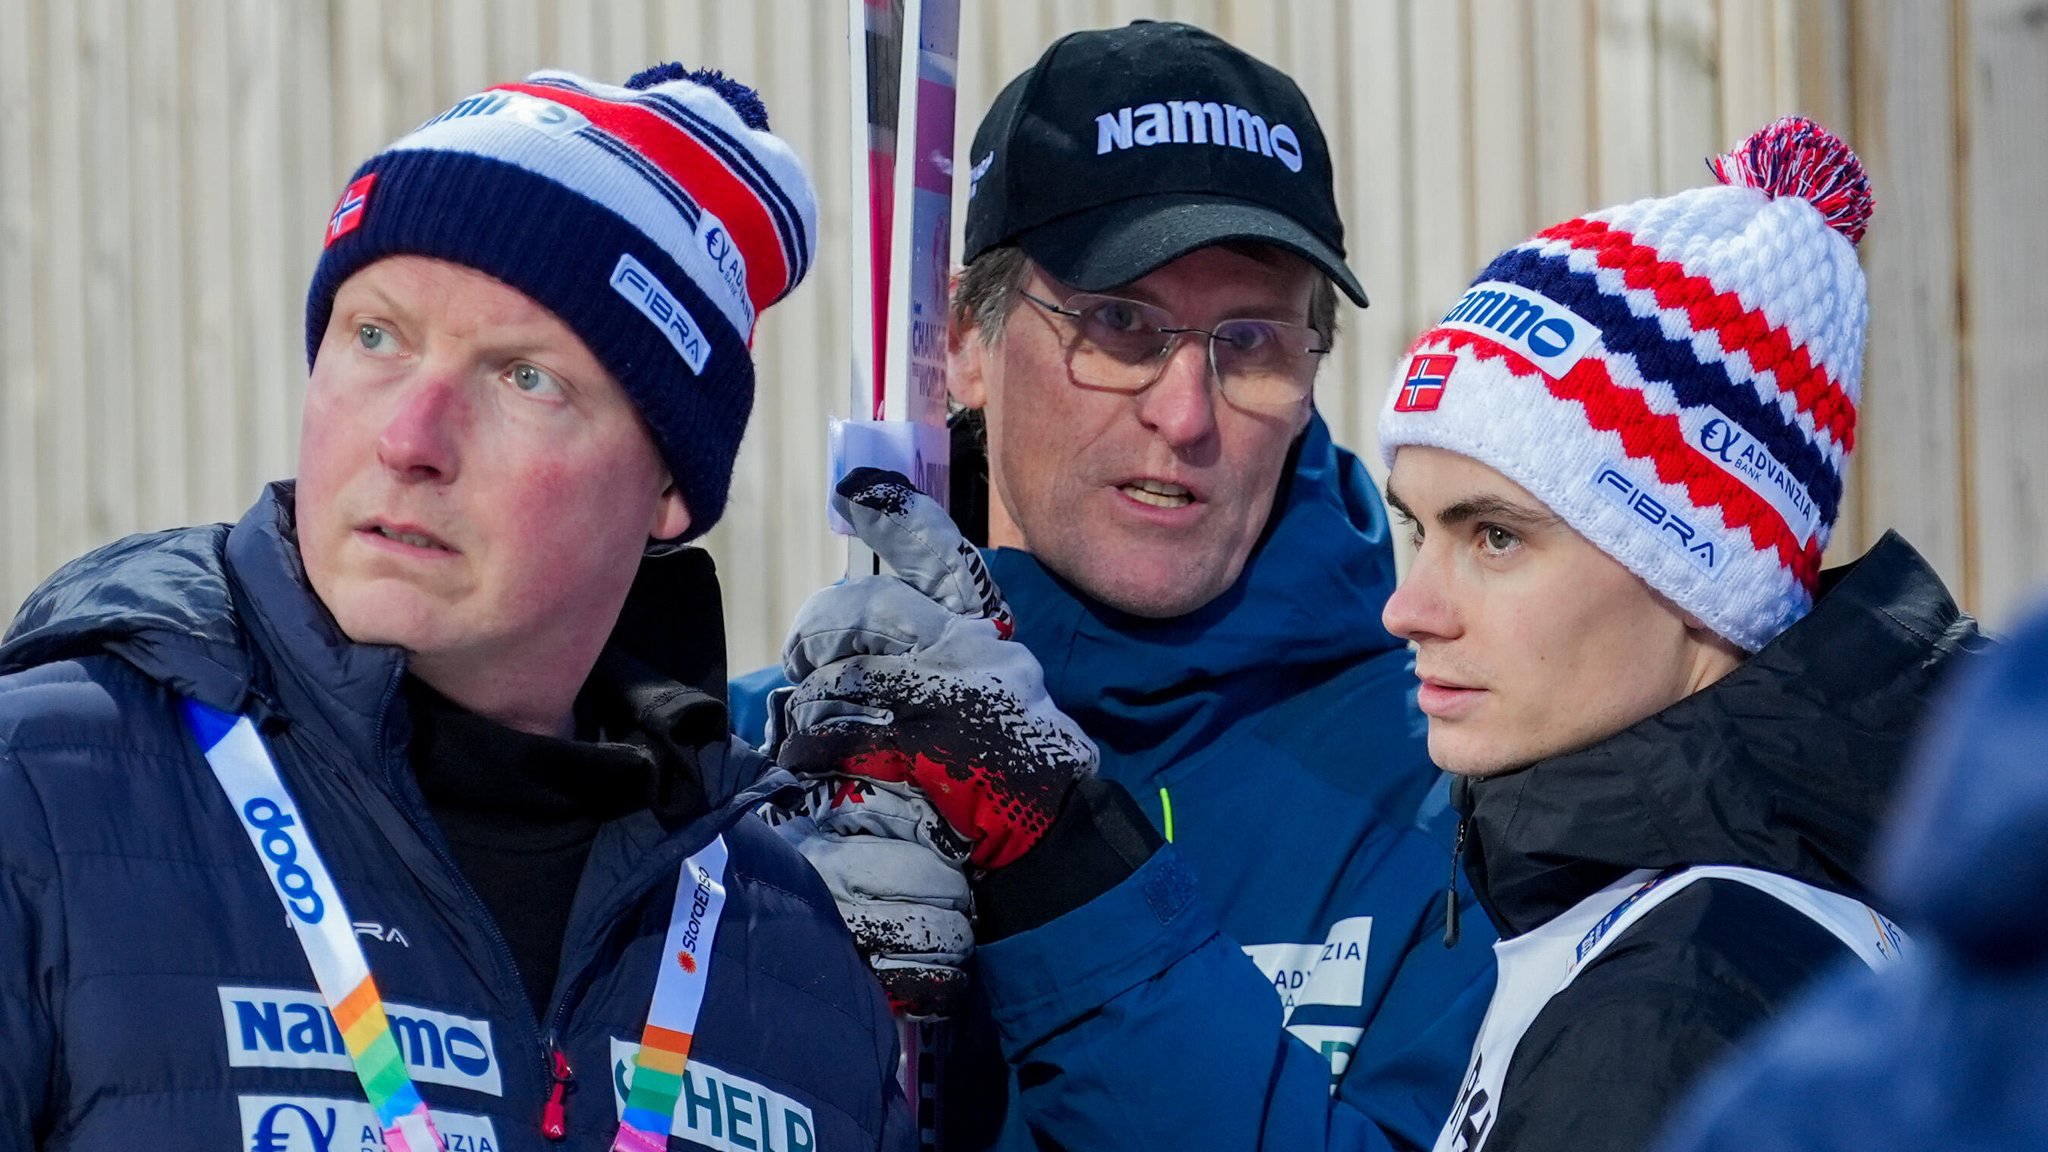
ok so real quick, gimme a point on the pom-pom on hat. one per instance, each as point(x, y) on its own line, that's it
point(1677, 378)
point(656, 220)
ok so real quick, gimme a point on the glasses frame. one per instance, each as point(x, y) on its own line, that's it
point(1173, 333)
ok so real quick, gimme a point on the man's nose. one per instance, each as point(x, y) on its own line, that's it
point(421, 438)
point(1420, 606)
point(1181, 404)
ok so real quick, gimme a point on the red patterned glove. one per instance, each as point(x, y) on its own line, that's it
point(910, 681)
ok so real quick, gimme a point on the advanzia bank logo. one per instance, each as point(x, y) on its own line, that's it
point(329, 1124)
point(288, 1028)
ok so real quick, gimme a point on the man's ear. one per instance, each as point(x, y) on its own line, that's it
point(671, 515)
point(967, 358)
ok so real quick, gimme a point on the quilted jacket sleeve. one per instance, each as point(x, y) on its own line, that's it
point(30, 962)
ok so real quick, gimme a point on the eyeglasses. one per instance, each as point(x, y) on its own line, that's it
point(1122, 346)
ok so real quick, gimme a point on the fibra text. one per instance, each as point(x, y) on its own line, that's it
point(632, 280)
point(1669, 526)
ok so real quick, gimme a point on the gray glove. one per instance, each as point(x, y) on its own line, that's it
point(904, 900)
point(910, 682)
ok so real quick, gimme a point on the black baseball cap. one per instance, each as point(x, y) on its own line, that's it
point(1124, 149)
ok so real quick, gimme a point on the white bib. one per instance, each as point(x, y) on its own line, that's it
point(1536, 966)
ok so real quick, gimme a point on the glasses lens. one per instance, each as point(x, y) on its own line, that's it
point(1118, 341)
point(1265, 362)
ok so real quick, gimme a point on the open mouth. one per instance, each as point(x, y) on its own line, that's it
point(415, 539)
point(1157, 493)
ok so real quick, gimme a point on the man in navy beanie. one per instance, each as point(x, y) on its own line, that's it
point(402, 812)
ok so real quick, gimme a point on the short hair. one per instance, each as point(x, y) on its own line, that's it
point(986, 290)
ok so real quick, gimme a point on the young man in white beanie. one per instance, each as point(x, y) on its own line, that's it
point(402, 813)
point(1622, 454)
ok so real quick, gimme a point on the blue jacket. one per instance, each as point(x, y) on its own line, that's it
point(1950, 1048)
point(1782, 764)
point(152, 993)
point(1272, 736)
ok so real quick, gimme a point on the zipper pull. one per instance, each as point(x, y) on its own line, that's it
point(1451, 929)
point(554, 1123)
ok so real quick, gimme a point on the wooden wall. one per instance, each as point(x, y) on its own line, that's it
point(166, 168)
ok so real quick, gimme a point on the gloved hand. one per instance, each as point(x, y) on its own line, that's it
point(903, 896)
point(910, 681)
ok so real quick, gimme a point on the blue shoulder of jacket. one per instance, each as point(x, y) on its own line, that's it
point(86, 701)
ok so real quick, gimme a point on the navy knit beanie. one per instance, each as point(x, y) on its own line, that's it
point(656, 220)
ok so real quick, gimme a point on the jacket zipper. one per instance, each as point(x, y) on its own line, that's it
point(543, 1047)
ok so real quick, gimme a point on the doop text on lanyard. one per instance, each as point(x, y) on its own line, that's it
point(248, 774)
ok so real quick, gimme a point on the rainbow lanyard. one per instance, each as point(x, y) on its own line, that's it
point(249, 776)
point(678, 997)
point(313, 905)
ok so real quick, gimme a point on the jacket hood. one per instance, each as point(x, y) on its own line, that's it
point(1963, 857)
point(1306, 606)
point(1786, 764)
point(224, 614)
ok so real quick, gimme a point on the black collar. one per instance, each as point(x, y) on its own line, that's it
point(1786, 764)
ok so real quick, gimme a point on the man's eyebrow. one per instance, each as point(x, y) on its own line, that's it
point(1494, 508)
point(1398, 504)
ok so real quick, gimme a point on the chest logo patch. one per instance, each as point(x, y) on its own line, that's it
point(1329, 974)
point(290, 1028)
point(324, 1124)
point(722, 1110)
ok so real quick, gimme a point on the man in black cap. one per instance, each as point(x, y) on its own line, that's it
point(1153, 258)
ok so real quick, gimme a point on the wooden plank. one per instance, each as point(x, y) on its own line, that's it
point(575, 36)
point(1909, 424)
point(1747, 52)
point(360, 115)
point(214, 471)
point(263, 359)
point(64, 444)
point(1625, 102)
point(625, 38)
point(313, 181)
point(2006, 246)
point(1563, 120)
point(803, 351)
point(1439, 169)
point(1688, 93)
point(109, 386)
point(21, 89)
point(513, 30)
point(462, 31)
point(160, 334)
point(406, 62)
point(1312, 57)
point(1503, 127)
point(1814, 70)
point(1369, 137)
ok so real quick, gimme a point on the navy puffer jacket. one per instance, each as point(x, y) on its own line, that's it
point(152, 993)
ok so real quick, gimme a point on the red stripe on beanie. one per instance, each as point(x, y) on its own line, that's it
point(679, 153)
point(1770, 348)
point(1658, 438)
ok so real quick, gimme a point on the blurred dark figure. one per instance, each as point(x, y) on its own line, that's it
point(1949, 1049)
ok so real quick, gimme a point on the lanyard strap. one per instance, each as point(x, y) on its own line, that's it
point(678, 998)
point(249, 776)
